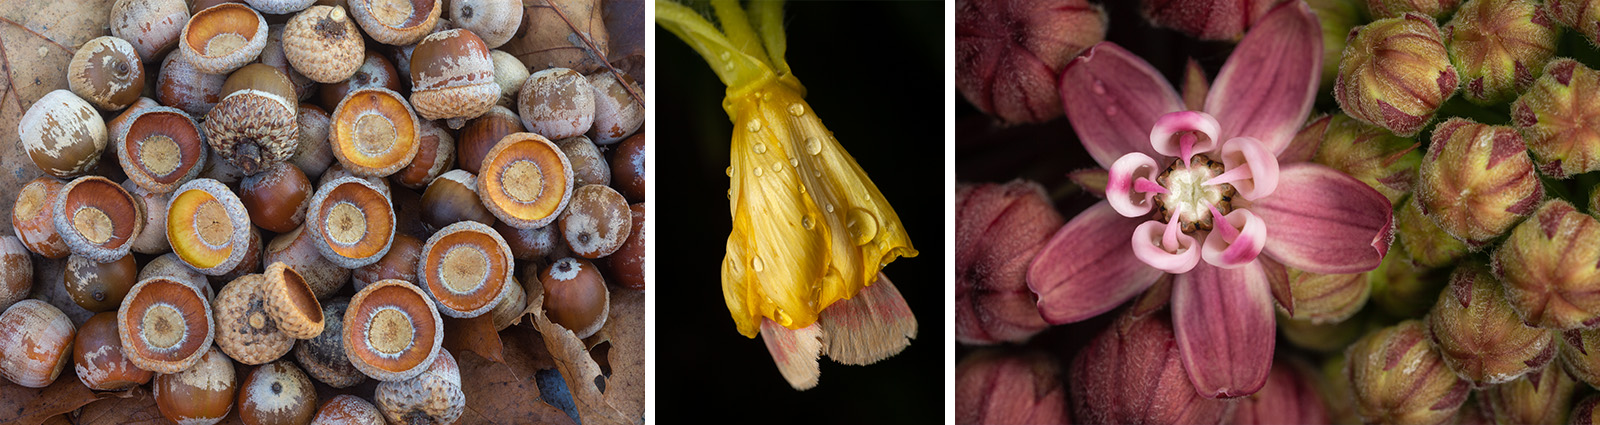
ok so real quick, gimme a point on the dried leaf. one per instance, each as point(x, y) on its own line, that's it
point(503, 394)
point(550, 42)
point(579, 370)
point(476, 335)
point(625, 25)
point(28, 406)
point(135, 406)
point(625, 329)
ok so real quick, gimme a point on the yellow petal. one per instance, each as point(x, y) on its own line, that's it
point(809, 227)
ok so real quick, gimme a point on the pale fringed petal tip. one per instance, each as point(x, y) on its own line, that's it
point(874, 325)
point(797, 352)
point(1113, 98)
point(1224, 325)
point(1266, 88)
point(809, 226)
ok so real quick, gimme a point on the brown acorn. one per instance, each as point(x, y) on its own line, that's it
point(526, 180)
point(185, 87)
point(106, 71)
point(557, 103)
point(436, 152)
point(297, 249)
point(152, 26)
point(396, 23)
point(99, 287)
point(16, 271)
point(313, 154)
point(627, 263)
point(405, 253)
point(276, 198)
point(616, 114)
point(277, 394)
point(98, 360)
point(97, 218)
point(480, 135)
point(452, 76)
point(451, 198)
point(62, 134)
point(153, 239)
point(374, 72)
point(202, 394)
point(323, 356)
point(588, 166)
point(165, 325)
point(628, 168)
point(35, 343)
point(31, 218)
point(160, 148)
point(597, 221)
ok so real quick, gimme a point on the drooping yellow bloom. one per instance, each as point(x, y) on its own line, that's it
point(809, 227)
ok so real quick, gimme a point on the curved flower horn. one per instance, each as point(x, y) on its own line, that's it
point(1171, 136)
point(1131, 183)
point(1251, 168)
point(1164, 247)
point(1236, 240)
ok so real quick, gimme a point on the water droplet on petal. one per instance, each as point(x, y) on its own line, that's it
point(797, 109)
point(756, 262)
point(829, 207)
point(794, 162)
point(728, 171)
point(726, 55)
point(754, 125)
point(807, 223)
point(759, 147)
point(781, 317)
point(777, 167)
point(813, 146)
point(1099, 87)
point(758, 171)
point(863, 225)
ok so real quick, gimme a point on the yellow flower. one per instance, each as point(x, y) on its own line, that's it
point(809, 227)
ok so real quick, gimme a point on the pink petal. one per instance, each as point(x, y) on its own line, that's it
point(1323, 221)
point(1122, 190)
point(1112, 98)
point(1251, 168)
point(1266, 88)
point(1241, 250)
point(1076, 280)
point(1224, 326)
point(1161, 134)
point(1149, 246)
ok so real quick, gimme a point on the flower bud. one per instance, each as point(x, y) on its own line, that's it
point(1498, 45)
point(1337, 18)
point(1424, 241)
point(1478, 334)
point(1132, 374)
point(1398, 378)
point(1394, 73)
point(1584, 413)
point(1543, 396)
point(1207, 19)
point(1327, 298)
point(1321, 337)
point(1001, 387)
point(1554, 115)
point(1336, 392)
point(1580, 354)
point(1581, 15)
point(1289, 397)
point(1477, 181)
point(999, 228)
point(1009, 53)
point(1435, 9)
point(1402, 288)
point(1373, 155)
point(1548, 265)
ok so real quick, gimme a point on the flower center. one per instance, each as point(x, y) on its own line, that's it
point(1189, 198)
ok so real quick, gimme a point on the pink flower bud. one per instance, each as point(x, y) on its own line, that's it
point(999, 228)
point(1553, 117)
point(1478, 333)
point(1000, 387)
point(1288, 398)
point(1398, 378)
point(1395, 73)
point(1477, 181)
point(1498, 46)
point(1207, 19)
point(1549, 266)
point(1009, 53)
point(1132, 374)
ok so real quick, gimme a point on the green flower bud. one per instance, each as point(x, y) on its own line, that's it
point(1373, 155)
point(1337, 18)
point(1477, 181)
point(1543, 396)
point(1394, 73)
point(1327, 298)
point(1555, 116)
point(1549, 268)
point(1584, 413)
point(1403, 289)
point(1398, 378)
point(1479, 335)
point(1435, 9)
point(1424, 241)
point(1497, 45)
point(1581, 15)
point(1580, 354)
point(1321, 337)
point(1336, 391)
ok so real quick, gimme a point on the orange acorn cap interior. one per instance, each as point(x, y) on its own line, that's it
point(357, 221)
point(391, 326)
point(222, 29)
point(465, 267)
point(200, 229)
point(169, 322)
point(375, 129)
point(163, 145)
point(101, 213)
point(526, 180)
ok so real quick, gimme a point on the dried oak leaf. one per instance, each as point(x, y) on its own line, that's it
point(625, 25)
point(29, 406)
point(505, 392)
point(624, 328)
point(579, 370)
point(136, 406)
point(549, 41)
point(476, 335)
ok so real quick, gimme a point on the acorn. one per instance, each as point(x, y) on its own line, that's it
point(557, 103)
point(512, 304)
point(160, 148)
point(31, 218)
point(533, 244)
point(276, 198)
point(223, 38)
point(1498, 45)
point(106, 71)
point(405, 253)
point(253, 129)
point(97, 218)
point(250, 263)
point(35, 343)
point(152, 26)
point(396, 23)
point(202, 394)
point(627, 263)
point(324, 44)
point(1549, 266)
point(16, 271)
point(466, 267)
point(165, 325)
point(298, 249)
point(575, 295)
point(526, 180)
point(1550, 117)
point(277, 393)
point(374, 72)
point(628, 168)
point(351, 221)
point(597, 222)
point(246, 329)
point(1476, 181)
point(1400, 94)
point(452, 77)
point(480, 135)
point(374, 132)
point(616, 114)
point(509, 73)
point(313, 154)
point(170, 266)
point(436, 153)
point(493, 20)
point(434, 396)
point(588, 167)
point(274, 56)
point(348, 410)
point(1480, 336)
point(221, 169)
point(185, 87)
point(1398, 377)
point(323, 356)
point(98, 360)
point(280, 7)
point(262, 77)
point(99, 287)
point(392, 331)
point(451, 198)
point(208, 226)
point(63, 134)
point(119, 124)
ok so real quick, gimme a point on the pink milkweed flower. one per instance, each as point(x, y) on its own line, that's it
point(1219, 197)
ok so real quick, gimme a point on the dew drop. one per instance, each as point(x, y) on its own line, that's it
point(813, 146)
point(816, 173)
point(759, 147)
point(794, 162)
point(730, 194)
point(781, 317)
point(758, 172)
point(777, 167)
point(829, 208)
point(863, 225)
point(756, 262)
point(727, 55)
point(754, 125)
point(1099, 87)
point(797, 109)
point(807, 223)
point(728, 171)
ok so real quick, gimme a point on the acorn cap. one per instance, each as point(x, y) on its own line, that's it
point(223, 38)
point(466, 267)
point(434, 396)
point(352, 222)
point(395, 24)
point(97, 218)
point(253, 129)
point(291, 302)
point(374, 132)
point(208, 226)
point(392, 331)
point(323, 43)
point(161, 148)
point(246, 330)
point(165, 325)
point(526, 181)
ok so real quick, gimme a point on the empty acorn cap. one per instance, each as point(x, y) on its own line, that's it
point(97, 218)
point(291, 302)
point(165, 325)
point(223, 38)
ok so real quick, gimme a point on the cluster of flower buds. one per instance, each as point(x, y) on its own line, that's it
point(1581, 15)
point(1207, 19)
point(1480, 336)
point(1477, 181)
point(1436, 9)
point(1423, 240)
point(1554, 118)
point(1002, 387)
point(1398, 377)
point(1399, 92)
point(1289, 397)
point(1373, 155)
point(1498, 45)
point(1132, 374)
point(1543, 396)
point(1549, 266)
point(999, 228)
point(1009, 53)
point(1403, 288)
point(1326, 298)
point(1580, 354)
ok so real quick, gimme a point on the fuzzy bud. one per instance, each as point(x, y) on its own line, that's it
point(1327, 298)
point(1337, 18)
point(1207, 19)
point(1398, 378)
point(1554, 115)
point(999, 387)
point(1580, 354)
point(1289, 397)
point(1477, 181)
point(1424, 241)
point(999, 229)
point(1543, 396)
point(1321, 337)
point(1581, 15)
point(1479, 335)
point(1584, 413)
point(1498, 45)
point(1373, 155)
point(1382, 86)
point(1401, 288)
point(1337, 395)
point(1435, 9)
point(1009, 53)
point(1132, 374)
point(1549, 268)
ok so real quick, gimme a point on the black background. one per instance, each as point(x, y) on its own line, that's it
point(874, 73)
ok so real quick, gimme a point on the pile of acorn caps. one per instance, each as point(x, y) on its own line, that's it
point(218, 191)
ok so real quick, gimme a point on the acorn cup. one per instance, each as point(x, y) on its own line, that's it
point(1378, 158)
point(1476, 181)
point(1423, 240)
point(999, 229)
point(1543, 396)
point(1549, 266)
point(1480, 336)
point(1498, 45)
point(1398, 378)
point(1553, 115)
point(1395, 73)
